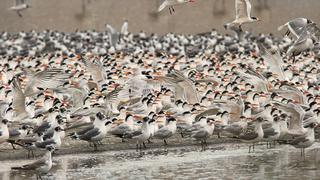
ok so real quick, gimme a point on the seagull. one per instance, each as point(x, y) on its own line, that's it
point(305, 140)
point(295, 26)
point(243, 14)
point(253, 134)
point(41, 166)
point(19, 6)
point(172, 3)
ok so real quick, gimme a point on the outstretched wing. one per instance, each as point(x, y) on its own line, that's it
point(242, 8)
point(19, 98)
point(124, 28)
point(163, 5)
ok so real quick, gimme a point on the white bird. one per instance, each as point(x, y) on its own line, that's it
point(295, 26)
point(172, 3)
point(41, 166)
point(19, 6)
point(243, 14)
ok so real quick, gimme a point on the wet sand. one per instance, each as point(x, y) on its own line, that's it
point(70, 146)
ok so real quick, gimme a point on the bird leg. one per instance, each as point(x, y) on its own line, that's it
point(165, 142)
point(19, 14)
point(249, 148)
point(170, 10)
point(144, 145)
point(12, 146)
point(95, 146)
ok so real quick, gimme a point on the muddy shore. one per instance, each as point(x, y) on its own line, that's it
point(70, 146)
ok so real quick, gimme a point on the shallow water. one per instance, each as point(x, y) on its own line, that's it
point(217, 162)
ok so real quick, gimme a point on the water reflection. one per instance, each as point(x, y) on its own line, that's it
point(283, 162)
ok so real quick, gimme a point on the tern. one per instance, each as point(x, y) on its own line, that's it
point(172, 3)
point(41, 166)
point(243, 14)
point(19, 6)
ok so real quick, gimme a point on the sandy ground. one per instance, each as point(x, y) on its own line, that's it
point(70, 146)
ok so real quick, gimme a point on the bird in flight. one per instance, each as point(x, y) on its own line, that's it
point(243, 14)
point(171, 4)
point(19, 6)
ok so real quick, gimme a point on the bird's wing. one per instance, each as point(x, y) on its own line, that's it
point(163, 5)
point(18, 2)
point(248, 5)
point(90, 134)
point(113, 35)
point(296, 26)
point(34, 165)
point(269, 132)
point(94, 69)
point(163, 133)
point(46, 143)
point(297, 115)
point(50, 78)
point(124, 28)
point(18, 98)
point(202, 133)
point(242, 9)
point(113, 95)
point(208, 112)
point(13, 133)
point(274, 61)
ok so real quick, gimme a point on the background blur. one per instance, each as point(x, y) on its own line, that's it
point(200, 16)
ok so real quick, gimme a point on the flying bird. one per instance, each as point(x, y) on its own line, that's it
point(243, 14)
point(171, 4)
point(19, 6)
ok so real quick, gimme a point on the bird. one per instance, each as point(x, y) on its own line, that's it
point(243, 14)
point(95, 135)
point(19, 6)
point(41, 166)
point(16, 134)
point(166, 131)
point(142, 135)
point(204, 133)
point(305, 140)
point(171, 4)
point(253, 134)
point(295, 26)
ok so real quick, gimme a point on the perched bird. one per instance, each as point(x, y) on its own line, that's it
point(243, 14)
point(19, 6)
point(204, 133)
point(171, 4)
point(304, 140)
point(166, 131)
point(40, 167)
point(16, 134)
point(253, 134)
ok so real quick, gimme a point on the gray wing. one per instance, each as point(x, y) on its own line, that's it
point(249, 136)
point(163, 133)
point(269, 132)
point(44, 144)
point(34, 165)
point(89, 135)
point(208, 112)
point(296, 26)
point(42, 128)
point(13, 133)
point(200, 134)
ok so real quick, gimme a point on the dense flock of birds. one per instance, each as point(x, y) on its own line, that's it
point(139, 87)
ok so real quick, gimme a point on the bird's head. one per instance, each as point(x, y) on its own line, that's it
point(255, 19)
